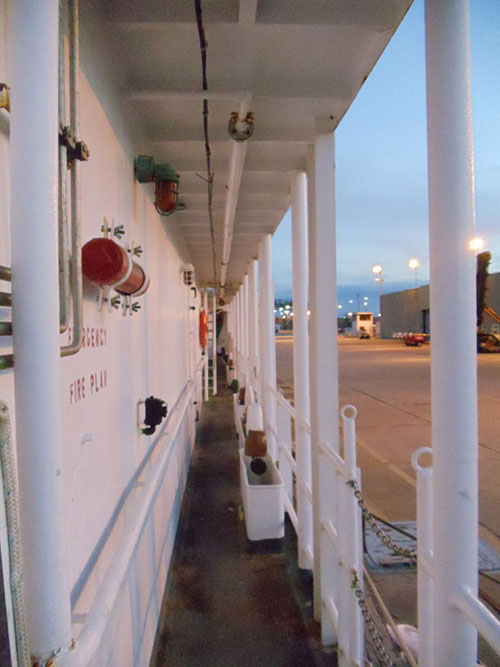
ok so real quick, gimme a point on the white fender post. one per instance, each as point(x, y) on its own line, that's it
point(214, 342)
point(323, 366)
point(252, 321)
point(266, 336)
point(35, 289)
point(205, 376)
point(453, 308)
point(300, 285)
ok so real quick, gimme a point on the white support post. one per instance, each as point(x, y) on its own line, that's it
point(253, 320)
point(35, 292)
point(300, 285)
point(324, 370)
point(237, 332)
point(214, 342)
point(453, 308)
point(245, 329)
point(240, 367)
point(231, 330)
point(206, 371)
point(267, 338)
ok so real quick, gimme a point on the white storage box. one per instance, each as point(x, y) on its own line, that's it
point(262, 500)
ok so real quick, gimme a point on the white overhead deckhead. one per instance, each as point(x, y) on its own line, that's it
point(294, 59)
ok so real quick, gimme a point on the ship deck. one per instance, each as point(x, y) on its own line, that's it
point(229, 601)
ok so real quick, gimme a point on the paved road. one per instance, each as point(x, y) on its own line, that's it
point(389, 383)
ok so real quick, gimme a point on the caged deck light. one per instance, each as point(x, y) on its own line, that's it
point(166, 181)
point(188, 274)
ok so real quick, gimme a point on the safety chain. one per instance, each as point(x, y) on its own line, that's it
point(375, 636)
point(383, 537)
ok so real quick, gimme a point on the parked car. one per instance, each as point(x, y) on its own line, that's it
point(414, 339)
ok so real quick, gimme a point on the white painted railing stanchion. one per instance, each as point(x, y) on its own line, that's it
point(324, 366)
point(353, 538)
point(424, 555)
point(453, 308)
point(266, 336)
point(300, 284)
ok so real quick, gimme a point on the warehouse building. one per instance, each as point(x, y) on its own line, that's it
point(409, 310)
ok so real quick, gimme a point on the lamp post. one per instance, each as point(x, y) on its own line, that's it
point(414, 264)
point(377, 270)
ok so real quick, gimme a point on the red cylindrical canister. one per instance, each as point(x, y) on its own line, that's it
point(106, 263)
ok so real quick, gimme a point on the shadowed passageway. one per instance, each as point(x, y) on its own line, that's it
point(231, 602)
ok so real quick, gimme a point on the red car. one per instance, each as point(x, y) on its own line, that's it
point(415, 339)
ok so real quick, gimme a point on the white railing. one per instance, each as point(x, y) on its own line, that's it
point(97, 619)
point(342, 544)
point(466, 600)
point(341, 532)
point(287, 462)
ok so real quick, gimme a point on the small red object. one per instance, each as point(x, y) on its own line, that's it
point(106, 263)
point(203, 329)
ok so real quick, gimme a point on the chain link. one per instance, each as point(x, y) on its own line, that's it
point(371, 627)
point(383, 537)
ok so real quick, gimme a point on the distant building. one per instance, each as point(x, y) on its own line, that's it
point(409, 310)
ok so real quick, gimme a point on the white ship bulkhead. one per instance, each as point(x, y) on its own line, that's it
point(99, 499)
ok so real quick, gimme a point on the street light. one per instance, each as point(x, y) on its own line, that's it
point(414, 264)
point(476, 243)
point(377, 270)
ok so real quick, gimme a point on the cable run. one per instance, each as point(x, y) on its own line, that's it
point(208, 155)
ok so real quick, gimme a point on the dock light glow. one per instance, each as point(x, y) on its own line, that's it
point(477, 243)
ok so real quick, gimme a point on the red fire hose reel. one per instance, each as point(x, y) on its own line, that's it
point(107, 264)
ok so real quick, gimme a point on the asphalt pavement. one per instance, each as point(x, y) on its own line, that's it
point(389, 384)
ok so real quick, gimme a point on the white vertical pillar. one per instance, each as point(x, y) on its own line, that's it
point(214, 342)
point(453, 308)
point(231, 329)
point(237, 331)
point(313, 383)
point(240, 336)
point(253, 320)
point(324, 367)
point(266, 335)
point(206, 374)
point(35, 290)
point(300, 284)
point(245, 329)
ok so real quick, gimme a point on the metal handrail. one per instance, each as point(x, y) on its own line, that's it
point(288, 456)
point(332, 456)
point(90, 637)
point(304, 425)
point(480, 617)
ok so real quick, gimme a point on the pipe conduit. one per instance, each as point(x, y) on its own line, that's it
point(75, 264)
